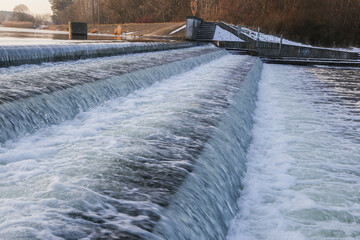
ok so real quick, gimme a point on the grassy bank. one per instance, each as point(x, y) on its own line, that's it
point(18, 24)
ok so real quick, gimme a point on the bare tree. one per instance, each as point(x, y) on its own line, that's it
point(42, 19)
point(21, 12)
point(2, 17)
point(21, 8)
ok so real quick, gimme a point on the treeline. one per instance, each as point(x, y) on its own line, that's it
point(323, 22)
point(21, 17)
point(119, 11)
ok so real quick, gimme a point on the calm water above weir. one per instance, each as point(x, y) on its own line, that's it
point(182, 144)
point(25, 36)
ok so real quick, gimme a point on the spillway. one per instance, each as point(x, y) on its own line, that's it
point(14, 55)
point(190, 143)
point(102, 148)
point(302, 179)
point(40, 96)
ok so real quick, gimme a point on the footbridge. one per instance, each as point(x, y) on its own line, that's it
point(245, 41)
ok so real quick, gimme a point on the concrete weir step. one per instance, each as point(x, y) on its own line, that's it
point(237, 51)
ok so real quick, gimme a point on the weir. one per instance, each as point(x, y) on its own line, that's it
point(207, 195)
point(114, 162)
point(54, 94)
point(156, 141)
point(191, 143)
point(18, 55)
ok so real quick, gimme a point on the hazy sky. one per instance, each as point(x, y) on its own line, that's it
point(35, 6)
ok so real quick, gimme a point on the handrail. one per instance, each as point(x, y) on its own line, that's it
point(233, 30)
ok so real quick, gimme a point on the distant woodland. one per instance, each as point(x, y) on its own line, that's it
point(21, 17)
point(322, 22)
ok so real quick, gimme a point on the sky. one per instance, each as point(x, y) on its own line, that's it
point(35, 6)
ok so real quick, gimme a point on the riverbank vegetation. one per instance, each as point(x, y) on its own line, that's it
point(14, 24)
point(132, 29)
point(322, 22)
point(21, 17)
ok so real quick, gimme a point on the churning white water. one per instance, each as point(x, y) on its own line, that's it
point(303, 169)
point(33, 97)
point(164, 146)
point(109, 172)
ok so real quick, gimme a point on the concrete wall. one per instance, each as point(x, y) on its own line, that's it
point(304, 52)
point(234, 31)
point(224, 44)
point(267, 49)
point(77, 30)
point(192, 27)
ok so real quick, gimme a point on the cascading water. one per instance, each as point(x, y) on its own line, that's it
point(116, 169)
point(206, 203)
point(42, 96)
point(175, 144)
point(18, 55)
point(303, 171)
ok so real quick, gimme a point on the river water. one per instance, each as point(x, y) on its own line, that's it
point(134, 129)
point(183, 144)
point(303, 169)
point(26, 36)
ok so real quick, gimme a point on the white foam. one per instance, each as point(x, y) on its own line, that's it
point(56, 171)
point(301, 182)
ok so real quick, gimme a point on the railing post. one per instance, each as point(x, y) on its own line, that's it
point(280, 46)
point(258, 38)
point(239, 34)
